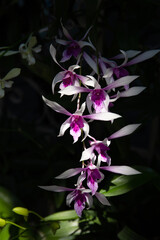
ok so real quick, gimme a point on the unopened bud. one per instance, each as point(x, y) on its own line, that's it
point(2, 222)
point(21, 211)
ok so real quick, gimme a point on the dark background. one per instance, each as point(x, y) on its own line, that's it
point(30, 152)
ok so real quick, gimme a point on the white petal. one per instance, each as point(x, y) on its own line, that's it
point(89, 200)
point(81, 178)
point(37, 49)
point(64, 127)
point(53, 54)
point(55, 188)
point(108, 73)
point(129, 53)
point(57, 79)
point(90, 62)
point(55, 106)
point(106, 116)
point(125, 170)
point(84, 43)
point(124, 131)
point(66, 33)
point(69, 173)
point(121, 82)
point(89, 104)
point(87, 153)
point(71, 90)
point(85, 129)
point(85, 35)
point(142, 57)
point(62, 42)
point(125, 58)
point(71, 68)
point(8, 84)
point(132, 91)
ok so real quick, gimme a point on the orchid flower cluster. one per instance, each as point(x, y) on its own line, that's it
point(106, 83)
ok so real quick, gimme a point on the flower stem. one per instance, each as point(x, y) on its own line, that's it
point(16, 225)
point(36, 214)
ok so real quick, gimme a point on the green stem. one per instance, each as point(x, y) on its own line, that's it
point(16, 225)
point(36, 214)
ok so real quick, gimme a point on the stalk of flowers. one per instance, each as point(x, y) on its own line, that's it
point(95, 159)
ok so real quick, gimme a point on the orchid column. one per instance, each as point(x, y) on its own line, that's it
point(116, 81)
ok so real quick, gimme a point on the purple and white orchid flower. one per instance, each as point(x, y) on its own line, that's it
point(80, 196)
point(94, 175)
point(101, 147)
point(99, 98)
point(76, 121)
point(113, 71)
point(68, 77)
point(74, 47)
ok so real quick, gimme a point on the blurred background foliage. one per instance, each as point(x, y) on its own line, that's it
point(32, 155)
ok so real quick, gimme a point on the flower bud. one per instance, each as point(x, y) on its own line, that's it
point(21, 211)
point(2, 222)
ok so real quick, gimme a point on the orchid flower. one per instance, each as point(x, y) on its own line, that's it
point(4, 83)
point(74, 47)
point(27, 48)
point(94, 175)
point(80, 196)
point(76, 121)
point(98, 98)
point(111, 69)
point(67, 77)
point(101, 147)
point(114, 70)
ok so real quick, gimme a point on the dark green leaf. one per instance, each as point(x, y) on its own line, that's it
point(64, 215)
point(128, 234)
point(124, 184)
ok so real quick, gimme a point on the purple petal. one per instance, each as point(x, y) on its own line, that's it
point(56, 107)
point(70, 173)
point(55, 188)
point(142, 57)
point(121, 82)
point(92, 184)
point(132, 91)
point(124, 131)
point(102, 198)
point(79, 208)
point(125, 170)
point(66, 56)
point(106, 116)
